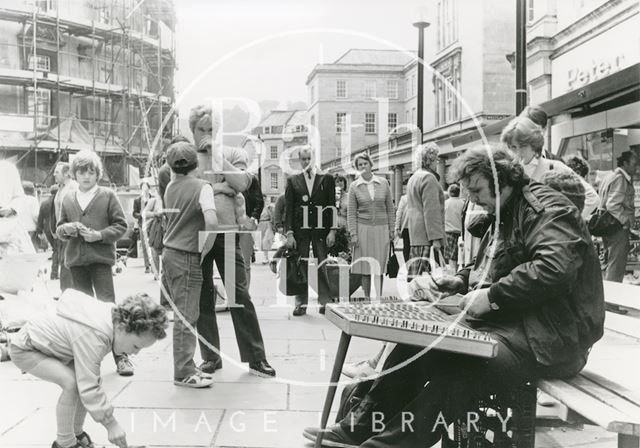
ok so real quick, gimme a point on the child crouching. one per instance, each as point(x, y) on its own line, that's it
point(66, 346)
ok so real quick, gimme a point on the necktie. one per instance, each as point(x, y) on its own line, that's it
point(309, 174)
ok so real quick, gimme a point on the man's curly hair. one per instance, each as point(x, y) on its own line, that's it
point(476, 160)
point(200, 111)
point(140, 314)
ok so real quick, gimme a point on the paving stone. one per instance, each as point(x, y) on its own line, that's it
point(166, 427)
point(267, 395)
point(258, 429)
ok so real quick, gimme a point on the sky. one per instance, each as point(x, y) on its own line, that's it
point(265, 49)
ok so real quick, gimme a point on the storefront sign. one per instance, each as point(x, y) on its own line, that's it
point(582, 75)
point(596, 58)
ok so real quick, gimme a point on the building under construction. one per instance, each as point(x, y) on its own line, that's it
point(85, 74)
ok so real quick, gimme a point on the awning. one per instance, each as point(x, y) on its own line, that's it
point(619, 83)
point(488, 130)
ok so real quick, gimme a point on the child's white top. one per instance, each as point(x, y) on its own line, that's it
point(79, 330)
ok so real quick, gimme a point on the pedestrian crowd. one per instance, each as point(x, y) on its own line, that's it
point(192, 221)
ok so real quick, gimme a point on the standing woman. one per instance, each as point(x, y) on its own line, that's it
point(266, 228)
point(342, 199)
point(370, 218)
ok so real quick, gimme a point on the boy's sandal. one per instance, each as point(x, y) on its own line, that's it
point(196, 381)
point(84, 440)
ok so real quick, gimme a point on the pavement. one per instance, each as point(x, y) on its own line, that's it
point(239, 410)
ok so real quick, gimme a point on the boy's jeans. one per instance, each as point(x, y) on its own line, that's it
point(183, 276)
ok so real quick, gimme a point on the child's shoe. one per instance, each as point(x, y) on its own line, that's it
point(57, 445)
point(84, 440)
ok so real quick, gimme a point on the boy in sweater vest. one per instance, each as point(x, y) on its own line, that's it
point(91, 221)
point(190, 209)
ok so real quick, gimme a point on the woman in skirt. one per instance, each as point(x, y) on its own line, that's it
point(370, 219)
point(266, 229)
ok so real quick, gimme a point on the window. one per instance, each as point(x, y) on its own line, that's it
point(43, 98)
point(407, 88)
point(413, 85)
point(369, 89)
point(413, 116)
point(312, 120)
point(447, 102)
point(312, 93)
point(341, 122)
point(300, 128)
point(406, 117)
point(341, 88)
point(392, 122)
point(447, 29)
point(266, 130)
point(530, 11)
point(370, 123)
point(274, 181)
point(273, 152)
point(42, 63)
point(392, 90)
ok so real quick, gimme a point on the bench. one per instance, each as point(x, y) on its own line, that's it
point(593, 395)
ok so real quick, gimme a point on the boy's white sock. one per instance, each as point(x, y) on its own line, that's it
point(65, 413)
point(78, 418)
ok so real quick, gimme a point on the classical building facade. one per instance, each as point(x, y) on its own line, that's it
point(468, 84)
point(274, 143)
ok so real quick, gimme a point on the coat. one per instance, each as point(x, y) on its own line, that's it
point(302, 207)
point(545, 273)
point(425, 209)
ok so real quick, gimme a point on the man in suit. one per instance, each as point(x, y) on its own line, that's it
point(310, 219)
point(254, 203)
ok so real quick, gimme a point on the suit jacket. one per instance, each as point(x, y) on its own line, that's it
point(254, 203)
point(425, 208)
point(300, 202)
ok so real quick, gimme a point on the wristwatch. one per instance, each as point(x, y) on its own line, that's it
point(494, 306)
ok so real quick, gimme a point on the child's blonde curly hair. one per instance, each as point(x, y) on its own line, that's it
point(139, 314)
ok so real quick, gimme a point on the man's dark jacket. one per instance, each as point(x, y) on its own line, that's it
point(253, 200)
point(300, 201)
point(547, 274)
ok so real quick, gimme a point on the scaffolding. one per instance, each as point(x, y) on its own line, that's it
point(85, 74)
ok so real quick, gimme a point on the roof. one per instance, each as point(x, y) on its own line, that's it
point(299, 117)
point(277, 118)
point(375, 57)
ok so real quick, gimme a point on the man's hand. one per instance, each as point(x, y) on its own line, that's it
point(116, 435)
point(354, 240)
point(436, 244)
point(331, 238)
point(392, 235)
point(291, 241)
point(449, 283)
point(477, 302)
point(70, 228)
point(224, 188)
point(398, 233)
point(90, 236)
point(250, 224)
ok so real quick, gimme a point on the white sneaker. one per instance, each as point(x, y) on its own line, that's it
point(195, 381)
point(357, 370)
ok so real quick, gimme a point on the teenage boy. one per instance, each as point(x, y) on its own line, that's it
point(190, 209)
point(91, 222)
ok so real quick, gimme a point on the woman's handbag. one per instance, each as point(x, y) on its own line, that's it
point(392, 264)
point(602, 223)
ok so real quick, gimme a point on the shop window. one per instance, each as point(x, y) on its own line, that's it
point(596, 148)
point(274, 181)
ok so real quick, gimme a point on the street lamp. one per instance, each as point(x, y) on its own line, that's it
point(421, 26)
point(521, 56)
